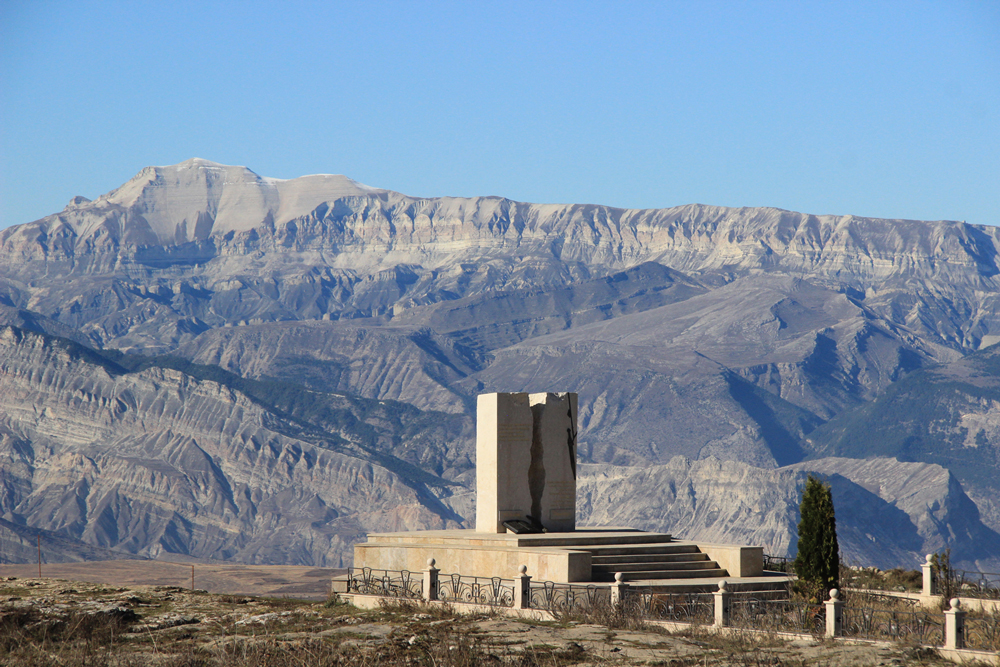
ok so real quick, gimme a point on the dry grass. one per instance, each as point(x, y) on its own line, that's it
point(49, 623)
point(896, 579)
point(602, 612)
point(71, 624)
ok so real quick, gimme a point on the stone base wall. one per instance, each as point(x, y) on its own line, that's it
point(477, 561)
point(739, 561)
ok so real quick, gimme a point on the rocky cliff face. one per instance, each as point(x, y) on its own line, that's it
point(889, 514)
point(748, 337)
point(156, 460)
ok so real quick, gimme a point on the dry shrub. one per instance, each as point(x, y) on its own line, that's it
point(21, 626)
point(459, 651)
point(602, 612)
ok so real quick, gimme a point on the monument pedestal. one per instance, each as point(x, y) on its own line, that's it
point(585, 555)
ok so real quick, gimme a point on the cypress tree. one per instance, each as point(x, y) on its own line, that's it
point(817, 563)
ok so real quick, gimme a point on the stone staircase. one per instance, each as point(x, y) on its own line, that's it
point(646, 562)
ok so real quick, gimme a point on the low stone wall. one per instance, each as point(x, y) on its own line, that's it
point(738, 561)
point(477, 561)
point(971, 604)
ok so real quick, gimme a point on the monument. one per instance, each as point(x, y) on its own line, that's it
point(526, 476)
point(526, 461)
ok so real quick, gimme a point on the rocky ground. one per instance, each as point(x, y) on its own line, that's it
point(300, 582)
point(59, 622)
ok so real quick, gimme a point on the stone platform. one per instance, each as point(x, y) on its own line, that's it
point(584, 555)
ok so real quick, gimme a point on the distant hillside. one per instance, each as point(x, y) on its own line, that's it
point(20, 544)
point(948, 415)
point(133, 455)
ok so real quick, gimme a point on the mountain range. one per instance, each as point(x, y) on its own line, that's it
point(209, 362)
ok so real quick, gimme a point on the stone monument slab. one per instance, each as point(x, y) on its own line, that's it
point(526, 460)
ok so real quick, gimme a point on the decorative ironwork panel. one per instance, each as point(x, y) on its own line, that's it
point(876, 600)
point(983, 632)
point(769, 594)
point(760, 613)
point(684, 607)
point(920, 627)
point(562, 598)
point(493, 591)
point(982, 585)
point(386, 583)
point(779, 564)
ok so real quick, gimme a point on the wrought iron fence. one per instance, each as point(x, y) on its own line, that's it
point(982, 632)
point(386, 583)
point(768, 594)
point(982, 585)
point(477, 590)
point(779, 564)
point(921, 627)
point(873, 599)
point(761, 613)
point(682, 607)
point(564, 598)
point(866, 615)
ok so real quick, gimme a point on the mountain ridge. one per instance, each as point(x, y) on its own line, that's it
point(739, 335)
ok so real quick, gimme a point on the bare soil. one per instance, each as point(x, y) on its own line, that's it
point(308, 583)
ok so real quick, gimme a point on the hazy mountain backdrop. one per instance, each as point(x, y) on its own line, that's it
point(209, 362)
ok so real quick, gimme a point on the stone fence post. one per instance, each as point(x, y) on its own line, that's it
point(431, 580)
point(928, 570)
point(723, 605)
point(618, 590)
point(954, 625)
point(522, 589)
point(834, 614)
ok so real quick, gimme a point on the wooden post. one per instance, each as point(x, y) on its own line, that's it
point(39, 555)
point(192, 576)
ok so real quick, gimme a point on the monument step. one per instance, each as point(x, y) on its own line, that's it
point(621, 537)
point(623, 548)
point(659, 575)
point(655, 567)
point(601, 559)
point(583, 540)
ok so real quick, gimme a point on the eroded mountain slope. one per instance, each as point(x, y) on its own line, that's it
point(889, 514)
point(947, 414)
point(694, 330)
point(156, 460)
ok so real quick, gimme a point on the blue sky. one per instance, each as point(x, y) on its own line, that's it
point(887, 109)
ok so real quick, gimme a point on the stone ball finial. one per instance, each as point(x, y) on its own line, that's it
point(834, 594)
point(431, 562)
point(523, 569)
point(618, 577)
point(955, 604)
point(928, 558)
point(722, 586)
